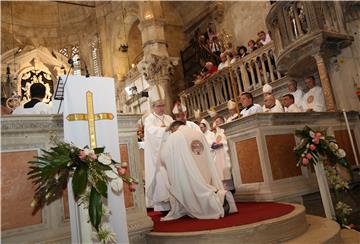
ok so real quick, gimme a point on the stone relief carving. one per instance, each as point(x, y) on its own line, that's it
point(153, 67)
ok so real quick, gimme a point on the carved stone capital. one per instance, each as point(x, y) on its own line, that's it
point(155, 67)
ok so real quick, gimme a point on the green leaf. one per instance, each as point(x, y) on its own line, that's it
point(99, 150)
point(79, 180)
point(95, 208)
point(101, 187)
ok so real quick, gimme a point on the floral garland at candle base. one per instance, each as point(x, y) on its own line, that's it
point(91, 170)
point(316, 145)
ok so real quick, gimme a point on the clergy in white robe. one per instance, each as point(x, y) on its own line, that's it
point(289, 105)
point(313, 100)
point(249, 107)
point(36, 104)
point(221, 150)
point(270, 105)
point(267, 90)
point(209, 135)
point(195, 187)
point(155, 124)
point(232, 107)
point(297, 93)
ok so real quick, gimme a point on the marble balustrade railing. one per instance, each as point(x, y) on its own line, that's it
point(291, 21)
point(247, 74)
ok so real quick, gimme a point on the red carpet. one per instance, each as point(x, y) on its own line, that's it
point(249, 212)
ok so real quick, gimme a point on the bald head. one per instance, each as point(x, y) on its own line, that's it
point(269, 101)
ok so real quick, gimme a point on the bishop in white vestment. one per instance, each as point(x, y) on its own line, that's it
point(195, 187)
point(156, 183)
point(179, 112)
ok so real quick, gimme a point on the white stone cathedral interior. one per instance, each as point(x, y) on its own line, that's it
point(247, 76)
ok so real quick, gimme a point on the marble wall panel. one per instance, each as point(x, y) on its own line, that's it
point(282, 157)
point(17, 191)
point(249, 161)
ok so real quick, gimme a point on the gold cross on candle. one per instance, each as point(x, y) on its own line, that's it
point(90, 117)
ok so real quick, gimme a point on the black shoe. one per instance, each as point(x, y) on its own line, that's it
point(226, 207)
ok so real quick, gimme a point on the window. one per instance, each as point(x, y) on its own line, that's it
point(75, 54)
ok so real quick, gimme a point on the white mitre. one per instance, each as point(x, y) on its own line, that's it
point(179, 108)
point(212, 112)
point(156, 95)
point(203, 121)
point(197, 114)
point(231, 105)
point(267, 88)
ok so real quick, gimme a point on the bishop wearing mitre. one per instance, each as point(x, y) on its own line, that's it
point(155, 134)
point(179, 112)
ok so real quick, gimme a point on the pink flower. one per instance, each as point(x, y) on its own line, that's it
point(133, 186)
point(305, 161)
point(309, 156)
point(121, 171)
point(82, 155)
point(312, 147)
point(316, 140)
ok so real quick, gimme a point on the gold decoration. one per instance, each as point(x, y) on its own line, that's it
point(90, 117)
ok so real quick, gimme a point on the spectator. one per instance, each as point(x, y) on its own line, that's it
point(36, 104)
point(252, 45)
point(215, 48)
point(211, 69)
point(247, 101)
point(289, 105)
point(270, 105)
point(314, 99)
point(233, 57)
point(224, 62)
point(242, 51)
point(263, 38)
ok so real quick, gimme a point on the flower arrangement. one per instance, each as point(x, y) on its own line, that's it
point(317, 145)
point(90, 171)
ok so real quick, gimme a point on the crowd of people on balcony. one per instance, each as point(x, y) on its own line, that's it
point(217, 55)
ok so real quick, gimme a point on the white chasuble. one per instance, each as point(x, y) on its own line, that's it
point(195, 187)
point(156, 182)
point(90, 119)
point(222, 157)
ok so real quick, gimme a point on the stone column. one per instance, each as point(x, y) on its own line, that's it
point(325, 83)
point(156, 65)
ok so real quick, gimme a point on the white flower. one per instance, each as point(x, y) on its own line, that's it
point(89, 151)
point(333, 146)
point(341, 153)
point(104, 159)
point(111, 174)
point(312, 134)
point(106, 235)
point(117, 185)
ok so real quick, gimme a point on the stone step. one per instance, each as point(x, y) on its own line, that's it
point(320, 230)
point(275, 230)
point(350, 236)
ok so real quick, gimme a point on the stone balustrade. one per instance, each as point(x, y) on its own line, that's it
point(246, 75)
point(300, 29)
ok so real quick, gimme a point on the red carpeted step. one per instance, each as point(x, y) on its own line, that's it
point(249, 212)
